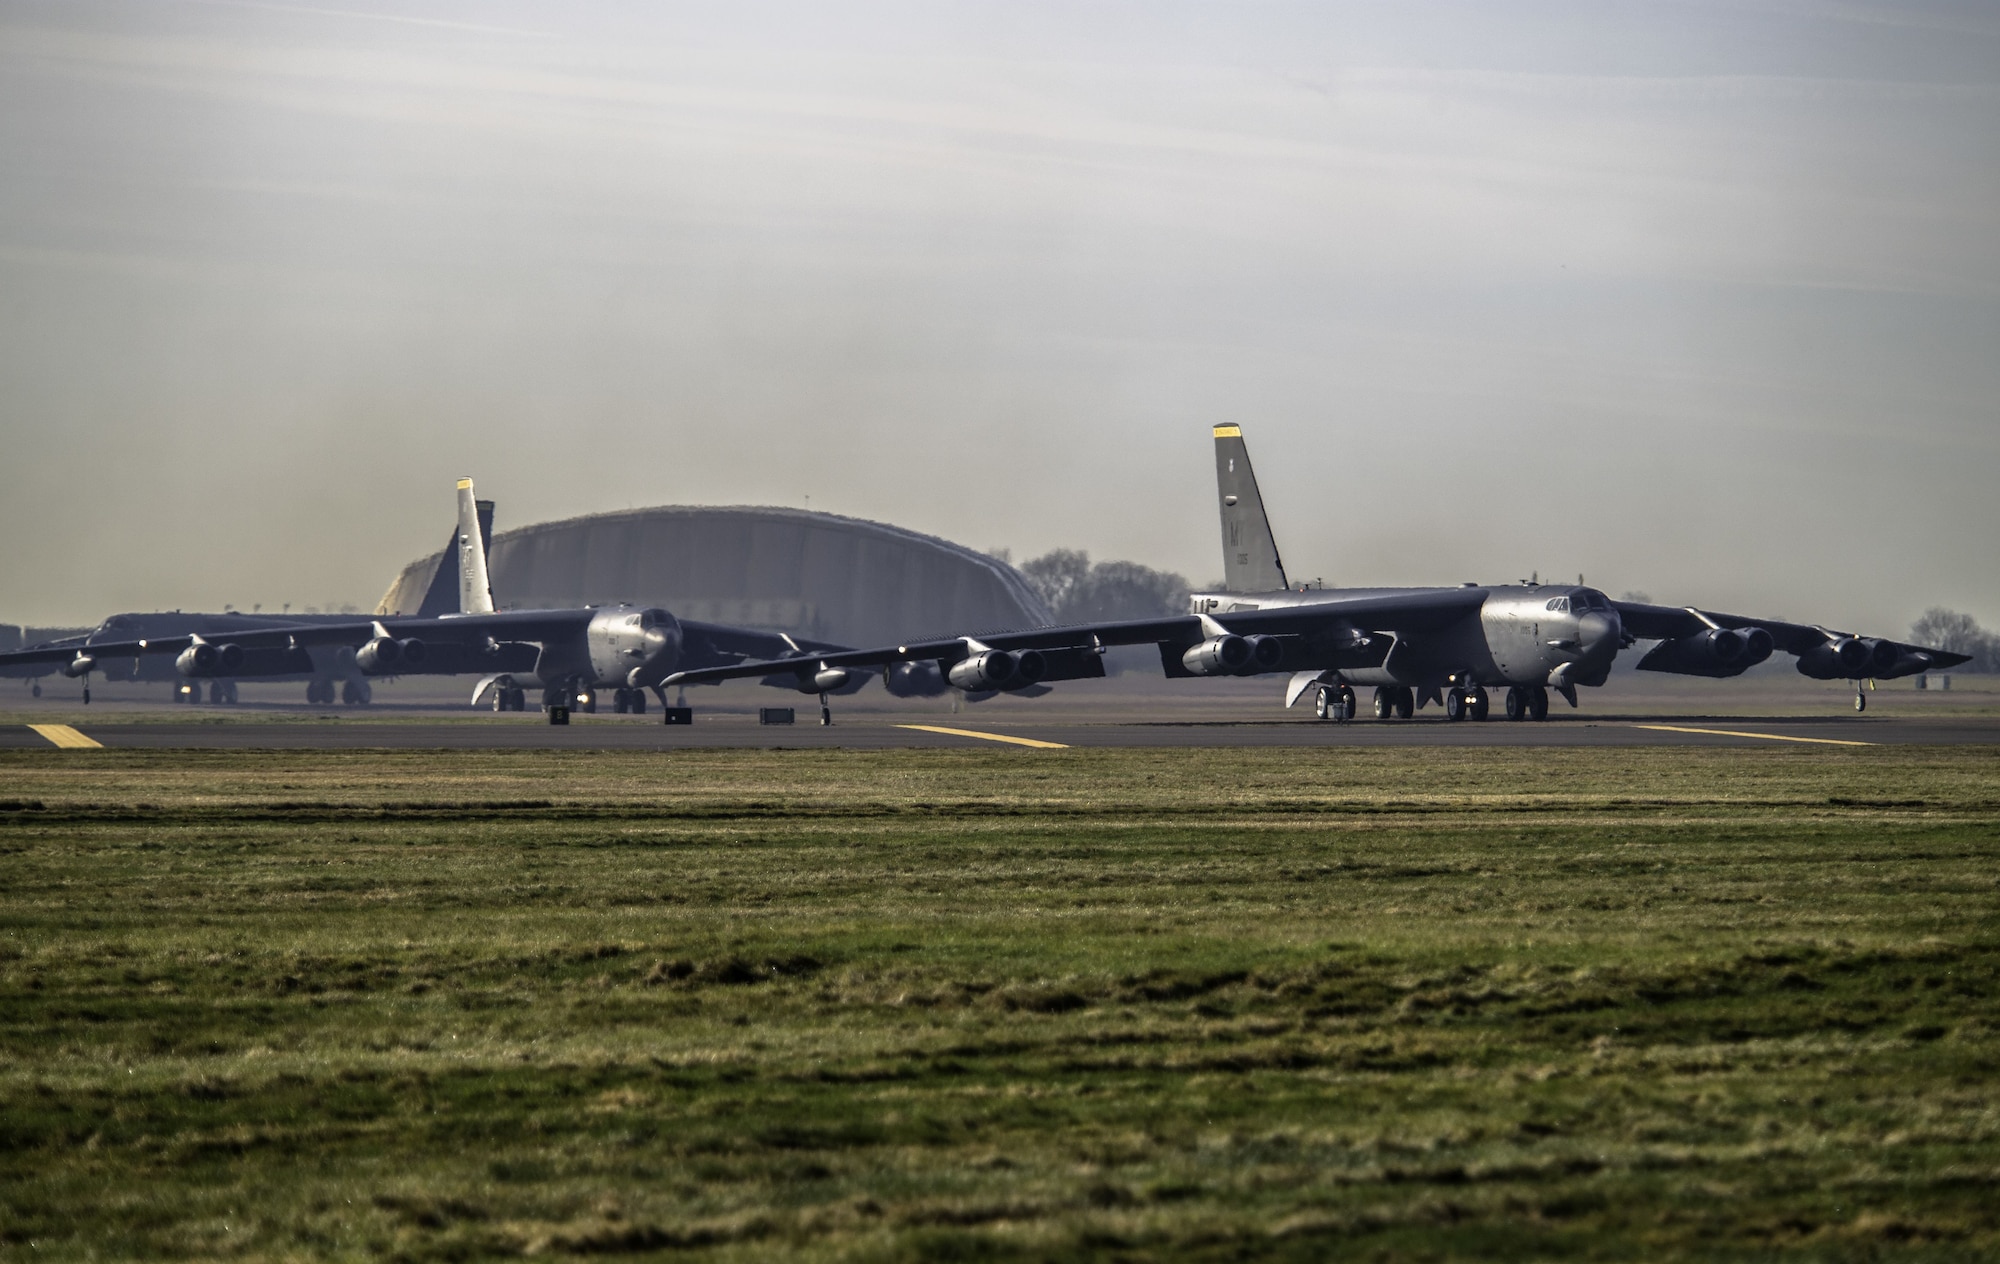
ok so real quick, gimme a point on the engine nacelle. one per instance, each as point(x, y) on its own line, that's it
point(920, 679)
point(383, 654)
point(825, 680)
point(1716, 652)
point(1225, 655)
point(205, 659)
point(414, 652)
point(989, 670)
point(81, 665)
point(1849, 658)
point(1266, 653)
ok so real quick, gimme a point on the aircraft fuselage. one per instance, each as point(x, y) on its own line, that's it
point(1518, 634)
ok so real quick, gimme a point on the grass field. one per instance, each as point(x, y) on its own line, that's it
point(1175, 1004)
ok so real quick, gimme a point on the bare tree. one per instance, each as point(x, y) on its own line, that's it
point(1959, 633)
point(1056, 575)
point(1076, 591)
point(1126, 590)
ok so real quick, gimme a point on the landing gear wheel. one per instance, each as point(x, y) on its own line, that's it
point(1385, 703)
point(1406, 702)
point(638, 702)
point(1323, 703)
point(1477, 704)
point(517, 699)
point(620, 700)
point(1538, 703)
point(1344, 699)
point(355, 693)
point(500, 700)
point(1860, 701)
point(1517, 703)
point(1454, 705)
point(215, 693)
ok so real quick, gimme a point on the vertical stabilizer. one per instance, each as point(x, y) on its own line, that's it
point(475, 591)
point(442, 595)
point(1249, 552)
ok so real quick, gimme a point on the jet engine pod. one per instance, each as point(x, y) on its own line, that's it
point(920, 679)
point(997, 669)
point(1266, 653)
point(1757, 645)
point(1717, 652)
point(1848, 658)
point(413, 651)
point(382, 654)
point(982, 671)
point(205, 659)
point(1224, 655)
point(1882, 655)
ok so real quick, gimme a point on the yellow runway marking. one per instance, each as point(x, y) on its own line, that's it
point(985, 737)
point(66, 737)
point(1768, 737)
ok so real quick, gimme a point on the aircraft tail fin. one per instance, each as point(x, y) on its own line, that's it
point(442, 596)
point(1250, 561)
point(475, 590)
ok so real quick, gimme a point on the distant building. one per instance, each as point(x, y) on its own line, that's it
point(839, 579)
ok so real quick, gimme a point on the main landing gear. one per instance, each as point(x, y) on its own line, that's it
point(510, 698)
point(1334, 702)
point(1527, 703)
point(1397, 701)
point(628, 701)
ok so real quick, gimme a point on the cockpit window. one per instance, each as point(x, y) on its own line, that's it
point(1559, 603)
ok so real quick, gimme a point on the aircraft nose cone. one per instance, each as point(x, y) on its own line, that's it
point(661, 653)
point(1598, 633)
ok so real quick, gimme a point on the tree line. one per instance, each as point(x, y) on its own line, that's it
point(1077, 590)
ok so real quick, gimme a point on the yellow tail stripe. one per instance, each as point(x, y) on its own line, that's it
point(1229, 432)
point(985, 737)
point(1768, 737)
point(66, 737)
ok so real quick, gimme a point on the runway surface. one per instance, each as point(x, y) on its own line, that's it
point(587, 732)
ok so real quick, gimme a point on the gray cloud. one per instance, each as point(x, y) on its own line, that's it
point(1698, 299)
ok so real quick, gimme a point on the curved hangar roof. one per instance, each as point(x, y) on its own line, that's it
point(838, 579)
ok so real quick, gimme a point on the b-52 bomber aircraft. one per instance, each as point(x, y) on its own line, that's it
point(568, 654)
point(1412, 645)
point(328, 670)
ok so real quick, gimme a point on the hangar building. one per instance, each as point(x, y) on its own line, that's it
point(844, 580)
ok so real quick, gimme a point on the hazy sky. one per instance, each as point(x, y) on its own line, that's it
point(1696, 298)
